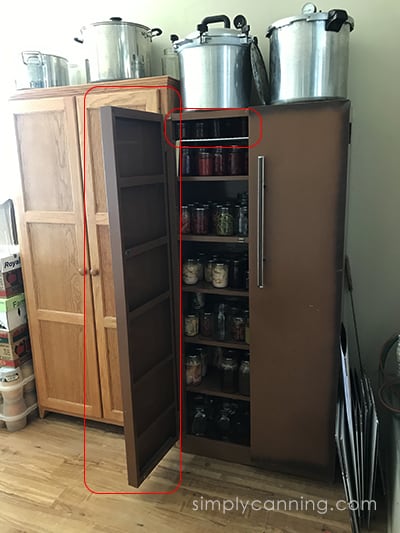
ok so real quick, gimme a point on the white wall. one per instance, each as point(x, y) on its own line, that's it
point(374, 88)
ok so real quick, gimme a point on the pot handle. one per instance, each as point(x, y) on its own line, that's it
point(336, 19)
point(77, 40)
point(31, 53)
point(216, 18)
point(155, 32)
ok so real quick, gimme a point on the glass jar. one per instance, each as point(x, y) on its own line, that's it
point(219, 162)
point(234, 161)
point(218, 355)
point(224, 221)
point(242, 221)
point(193, 370)
point(223, 423)
point(187, 162)
point(208, 270)
point(229, 374)
point(205, 163)
point(214, 211)
point(199, 221)
point(200, 130)
point(236, 274)
point(238, 328)
point(220, 275)
point(170, 63)
point(202, 353)
point(199, 422)
point(191, 325)
point(198, 300)
point(185, 219)
point(190, 272)
point(244, 377)
point(222, 320)
point(207, 324)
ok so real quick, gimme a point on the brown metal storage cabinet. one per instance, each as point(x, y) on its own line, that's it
point(296, 185)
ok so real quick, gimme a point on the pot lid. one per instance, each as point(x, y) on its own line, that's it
point(334, 19)
point(115, 21)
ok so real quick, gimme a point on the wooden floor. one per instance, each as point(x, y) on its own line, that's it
point(42, 490)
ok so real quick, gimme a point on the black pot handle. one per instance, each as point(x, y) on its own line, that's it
point(336, 19)
point(155, 32)
point(216, 18)
point(116, 19)
point(76, 39)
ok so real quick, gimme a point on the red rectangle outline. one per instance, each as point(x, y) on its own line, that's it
point(180, 109)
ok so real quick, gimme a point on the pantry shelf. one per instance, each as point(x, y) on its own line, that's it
point(214, 178)
point(214, 238)
point(232, 345)
point(210, 384)
point(204, 287)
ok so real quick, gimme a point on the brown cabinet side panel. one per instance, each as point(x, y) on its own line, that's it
point(295, 318)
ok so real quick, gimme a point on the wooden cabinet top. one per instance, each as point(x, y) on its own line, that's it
point(74, 90)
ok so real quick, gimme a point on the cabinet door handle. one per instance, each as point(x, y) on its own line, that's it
point(82, 271)
point(260, 221)
point(94, 272)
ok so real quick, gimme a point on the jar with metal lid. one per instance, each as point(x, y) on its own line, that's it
point(200, 220)
point(207, 324)
point(219, 162)
point(229, 374)
point(202, 353)
point(224, 221)
point(238, 328)
point(242, 223)
point(208, 270)
point(244, 377)
point(220, 275)
point(185, 215)
point(236, 274)
point(190, 272)
point(234, 161)
point(193, 370)
point(205, 163)
point(191, 325)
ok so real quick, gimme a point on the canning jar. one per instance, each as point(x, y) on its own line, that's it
point(224, 221)
point(238, 328)
point(199, 220)
point(205, 163)
point(193, 370)
point(185, 214)
point(234, 161)
point(235, 274)
point(220, 275)
point(244, 377)
point(200, 130)
point(207, 324)
point(222, 320)
point(208, 270)
point(229, 374)
point(191, 325)
point(219, 162)
point(214, 211)
point(198, 300)
point(202, 353)
point(187, 162)
point(242, 223)
point(190, 272)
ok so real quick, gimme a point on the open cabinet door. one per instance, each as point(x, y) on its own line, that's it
point(137, 196)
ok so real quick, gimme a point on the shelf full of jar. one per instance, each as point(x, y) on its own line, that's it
point(213, 238)
point(211, 385)
point(208, 288)
point(208, 341)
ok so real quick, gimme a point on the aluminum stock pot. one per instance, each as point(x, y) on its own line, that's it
point(116, 49)
point(215, 64)
point(309, 55)
point(42, 70)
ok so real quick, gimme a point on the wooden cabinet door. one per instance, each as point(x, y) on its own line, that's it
point(99, 236)
point(137, 193)
point(296, 253)
point(51, 235)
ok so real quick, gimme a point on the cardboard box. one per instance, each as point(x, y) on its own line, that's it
point(10, 272)
point(14, 344)
point(12, 312)
point(14, 363)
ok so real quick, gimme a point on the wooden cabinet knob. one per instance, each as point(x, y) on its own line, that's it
point(94, 272)
point(82, 271)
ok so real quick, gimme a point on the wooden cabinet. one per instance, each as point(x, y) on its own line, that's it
point(296, 189)
point(49, 126)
